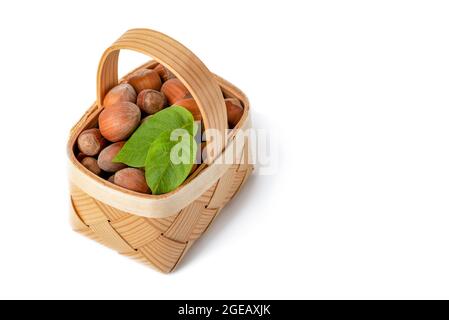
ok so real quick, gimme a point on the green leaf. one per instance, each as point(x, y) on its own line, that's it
point(170, 160)
point(135, 150)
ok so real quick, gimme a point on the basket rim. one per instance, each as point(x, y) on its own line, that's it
point(92, 113)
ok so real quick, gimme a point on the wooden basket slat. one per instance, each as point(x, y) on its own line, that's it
point(112, 214)
point(224, 188)
point(87, 207)
point(185, 222)
point(163, 253)
point(136, 231)
point(110, 237)
point(205, 219)
point(206, 196)
point(162, 224)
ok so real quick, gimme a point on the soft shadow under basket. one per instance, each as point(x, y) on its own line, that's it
point(158, 230)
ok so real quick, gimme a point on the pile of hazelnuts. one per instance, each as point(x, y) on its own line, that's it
point(126, 106)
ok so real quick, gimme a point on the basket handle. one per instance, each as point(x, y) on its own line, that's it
point(185, 65)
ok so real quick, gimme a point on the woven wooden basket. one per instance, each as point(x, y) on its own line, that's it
point(158, 230)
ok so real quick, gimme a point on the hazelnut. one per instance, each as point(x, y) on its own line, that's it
point(163, 72)
point(151, 101)
point(119, 121)
point(190, 104)
point(234, 101)
point(121, 93)
point(132, 179)
point(111, 178)
point(107, 155)
point(235, 111)
point(91, 164)
point(90, 142)
point(145, 79)
point(80, 156)
point(174, 90)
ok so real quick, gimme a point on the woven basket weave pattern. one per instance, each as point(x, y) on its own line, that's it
point(159, 243)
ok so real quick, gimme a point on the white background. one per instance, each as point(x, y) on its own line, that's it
point(357, 93)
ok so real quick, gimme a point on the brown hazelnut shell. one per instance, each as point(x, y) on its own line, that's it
point(119, 121)
point(163, 72)
point(123, 92)
point(145, 79)
point(234, 110)
point(91, 142)
point(191, 105)
point(132, 179)
point(151, 101)
point(91, 164)
point(174, 90)
point(108, 154)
